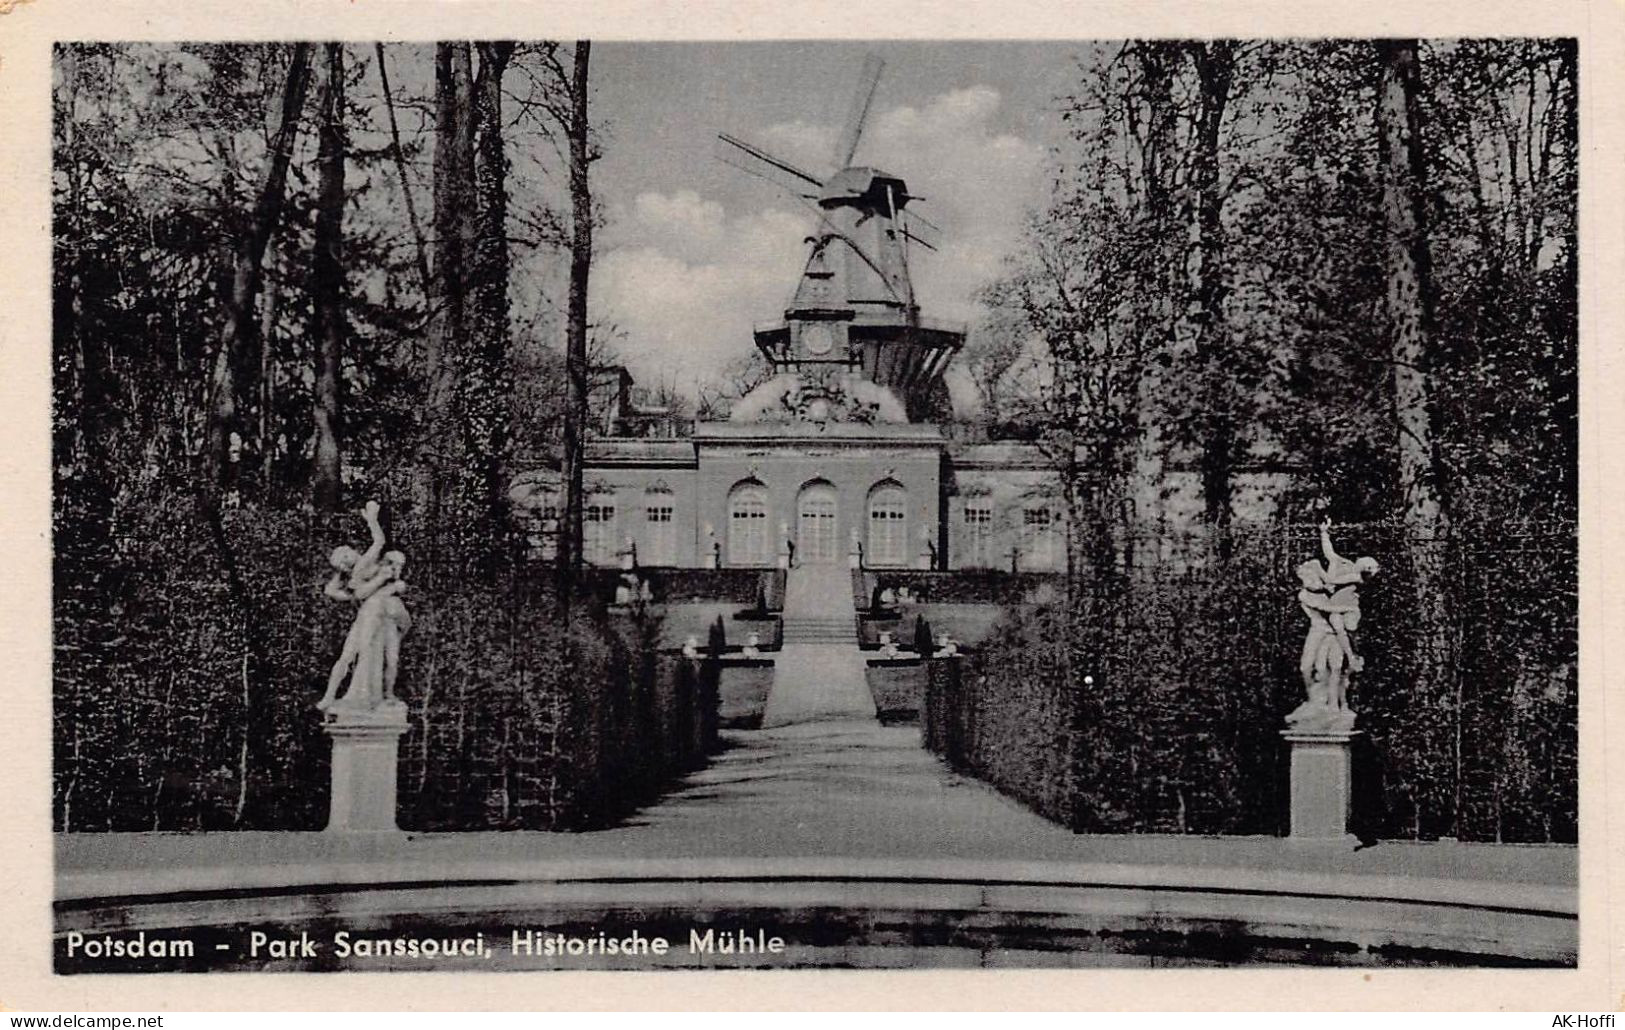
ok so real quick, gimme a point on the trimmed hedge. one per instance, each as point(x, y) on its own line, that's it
point(958, 586)
point(557, 732)
point(870, 628)
point(188, 658)
point(754, 589)
point(1009, 732)
point(743, 686)
point(1153, 702)
point(898, 688)
point(769, 632)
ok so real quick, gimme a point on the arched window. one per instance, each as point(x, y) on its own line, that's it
point(816, 525)
point(747, 526)
point(888, 526)
point(659, 528)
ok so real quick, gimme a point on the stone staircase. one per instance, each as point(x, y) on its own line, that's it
point(819, 672)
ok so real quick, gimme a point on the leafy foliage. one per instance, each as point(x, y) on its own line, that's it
point(1158, 712)
point(189, 658)
point(1150, 325)
point(1104, 301)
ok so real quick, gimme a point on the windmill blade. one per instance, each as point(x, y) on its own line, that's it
point(754, 160)
point(791, 185)
point(868, 79)
point(911, 234)
point(916, 216)
point(919, 230)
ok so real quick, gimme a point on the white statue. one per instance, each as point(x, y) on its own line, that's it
point(888, 646)
point(691, 647)
point(712, 558)
point(753, 646)
point(371, 652)
point(1330, 598)
point(630, 590)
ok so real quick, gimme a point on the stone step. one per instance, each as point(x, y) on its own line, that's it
point(819, 628)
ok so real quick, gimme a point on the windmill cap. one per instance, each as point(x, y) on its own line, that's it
point(863, 185)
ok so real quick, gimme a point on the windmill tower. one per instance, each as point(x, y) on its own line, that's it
point(853, 307)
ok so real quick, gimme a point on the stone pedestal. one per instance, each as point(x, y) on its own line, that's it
point(1322, 783)
point(364, 762)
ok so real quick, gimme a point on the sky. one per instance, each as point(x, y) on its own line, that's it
point(695, 252)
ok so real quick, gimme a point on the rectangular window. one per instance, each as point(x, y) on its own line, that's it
point(598, 533)
point(747, 532)
point(660, 535)
point(1038, 538)
point(978, 535)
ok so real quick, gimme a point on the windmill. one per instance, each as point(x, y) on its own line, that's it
point(854, 304)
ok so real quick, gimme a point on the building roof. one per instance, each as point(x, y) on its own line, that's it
point(812, 433)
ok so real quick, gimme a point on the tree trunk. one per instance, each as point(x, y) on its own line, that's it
point(1409, 302)
point(489, 384)
point(265, 431)
point(575, 412)
point(1215, 71)
point(327, 277)
point(237, 333)
point(1410, 288)
point(439, 449)
point(1154, 298)
point(89, 402)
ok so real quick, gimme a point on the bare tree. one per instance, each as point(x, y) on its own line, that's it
point(418, 241)
point(716, 397)
point(990, 355)
point(240, 323)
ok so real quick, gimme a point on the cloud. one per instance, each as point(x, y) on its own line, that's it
point(956, 111)
point(683, 216)
point(978, 184)
point(808, 146)
point(686, 294)
point(687, 277)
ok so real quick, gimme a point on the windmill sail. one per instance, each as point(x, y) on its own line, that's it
point(855, 297)
point(750, 158)
point(868, 79)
